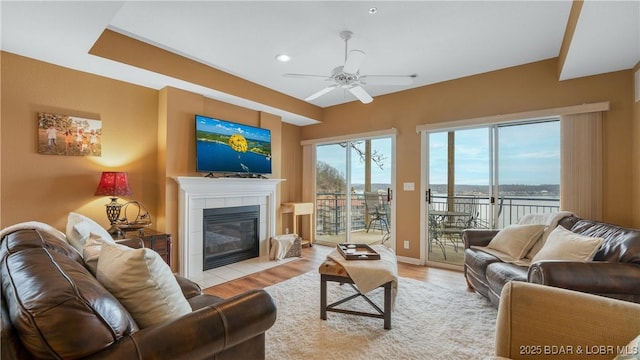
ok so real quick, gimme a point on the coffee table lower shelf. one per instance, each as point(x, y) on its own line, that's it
point(380, 313)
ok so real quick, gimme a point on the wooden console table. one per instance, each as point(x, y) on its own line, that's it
point(155, 240)
point(296, 209)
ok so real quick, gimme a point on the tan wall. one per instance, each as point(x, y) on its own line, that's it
point(518, 89)
point(291, 170)
point(147, 133)
point(47, 187)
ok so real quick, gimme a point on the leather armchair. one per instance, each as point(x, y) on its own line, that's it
point(544, 322)
point(53, 307)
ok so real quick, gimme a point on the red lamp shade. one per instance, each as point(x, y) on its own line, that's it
point(113, 184)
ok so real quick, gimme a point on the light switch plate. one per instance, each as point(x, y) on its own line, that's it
point(408, 186)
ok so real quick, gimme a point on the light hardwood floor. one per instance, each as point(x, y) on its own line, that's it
point(311, 259)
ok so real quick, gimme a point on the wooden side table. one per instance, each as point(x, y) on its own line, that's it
point(155, 240)
point(296, 209)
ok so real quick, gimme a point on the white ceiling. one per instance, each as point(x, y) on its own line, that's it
point(436, 40)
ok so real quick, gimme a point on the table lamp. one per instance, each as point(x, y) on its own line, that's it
point(113, 184)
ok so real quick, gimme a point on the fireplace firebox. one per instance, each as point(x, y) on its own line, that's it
point(231, 234)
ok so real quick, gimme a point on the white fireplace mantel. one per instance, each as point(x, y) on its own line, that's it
point(199, 193)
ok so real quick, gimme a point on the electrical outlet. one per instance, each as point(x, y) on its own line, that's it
point(406, 244)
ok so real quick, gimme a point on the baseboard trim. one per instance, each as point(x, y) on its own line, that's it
point(408, 260)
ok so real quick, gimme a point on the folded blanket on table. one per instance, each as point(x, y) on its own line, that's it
point(370, 274)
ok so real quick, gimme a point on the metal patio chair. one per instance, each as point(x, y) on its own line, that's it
point(376, 211)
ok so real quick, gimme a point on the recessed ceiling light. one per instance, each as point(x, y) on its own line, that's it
point(283, 57)
point(373, 10)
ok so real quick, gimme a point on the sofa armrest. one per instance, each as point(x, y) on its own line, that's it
point(189, 288)
point(478, 237)
point(536, 321)
point(210, 330)
point(596, 277)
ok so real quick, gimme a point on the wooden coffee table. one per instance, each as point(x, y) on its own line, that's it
point(331, 271)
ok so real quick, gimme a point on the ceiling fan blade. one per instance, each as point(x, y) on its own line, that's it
point(361, 94)
point(400, 80)
point(353, 62)
point(321, 92)
point(306, 76)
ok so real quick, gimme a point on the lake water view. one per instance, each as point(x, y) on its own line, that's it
point(217, 157)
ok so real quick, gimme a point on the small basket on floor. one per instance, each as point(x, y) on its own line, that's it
point(294, 251)
point(296, 248)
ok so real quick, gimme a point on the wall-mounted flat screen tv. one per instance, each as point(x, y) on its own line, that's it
point(231, 148)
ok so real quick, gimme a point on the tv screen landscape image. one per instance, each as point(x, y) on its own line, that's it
point(227, 147)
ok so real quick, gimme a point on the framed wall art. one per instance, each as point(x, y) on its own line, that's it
point(69, 135)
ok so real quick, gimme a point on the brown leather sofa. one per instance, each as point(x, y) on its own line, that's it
point(614, 271)
point(87, 321)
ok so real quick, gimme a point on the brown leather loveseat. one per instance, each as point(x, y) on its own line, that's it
point(614, 271)
point(53, 307)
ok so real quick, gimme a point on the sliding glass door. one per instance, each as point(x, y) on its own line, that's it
point(488, 177)
point(353, 191)
point(331, 193)
point(459, 188)
point(528, 171)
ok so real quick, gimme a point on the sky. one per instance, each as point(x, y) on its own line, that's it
point(528, 154)
point(224, 127)
point(335, 155)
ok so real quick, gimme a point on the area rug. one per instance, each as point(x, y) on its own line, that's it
point(429, 322)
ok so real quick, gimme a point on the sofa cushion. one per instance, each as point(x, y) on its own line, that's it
point(478, 260)
point(515, 240)
point(80, 228)
point(77, 309)
point(143, 283)
point(562, 244)
point(499, 274)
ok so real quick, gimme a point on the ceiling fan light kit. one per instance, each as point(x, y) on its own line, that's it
point(348, 75)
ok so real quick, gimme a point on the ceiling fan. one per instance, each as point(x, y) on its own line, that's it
point(348, 75)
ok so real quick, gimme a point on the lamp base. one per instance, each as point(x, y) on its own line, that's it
point(113, 213)
point(116, 232)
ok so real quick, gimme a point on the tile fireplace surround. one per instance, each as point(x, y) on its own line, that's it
point(199, 193)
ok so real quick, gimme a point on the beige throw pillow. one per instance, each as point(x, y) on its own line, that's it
point(562, 244)
point(143, 283)
point(80, 228)
point(91, 252)
point(515, 240)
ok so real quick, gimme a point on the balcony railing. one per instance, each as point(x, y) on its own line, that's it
point(510, 209)
point(331, 210)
